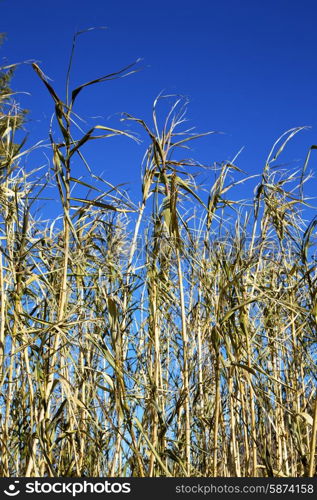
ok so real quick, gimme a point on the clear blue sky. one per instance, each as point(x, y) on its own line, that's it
point(248, 67)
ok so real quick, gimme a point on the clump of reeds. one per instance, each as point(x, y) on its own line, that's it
point(170, 336)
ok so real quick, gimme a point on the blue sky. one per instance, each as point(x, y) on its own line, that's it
point(248, 67)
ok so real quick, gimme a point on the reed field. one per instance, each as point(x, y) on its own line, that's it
point(169, 335)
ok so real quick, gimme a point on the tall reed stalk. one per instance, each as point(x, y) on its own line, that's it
point(174, 335)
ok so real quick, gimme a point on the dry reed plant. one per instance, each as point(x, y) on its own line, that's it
point(172, 336)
